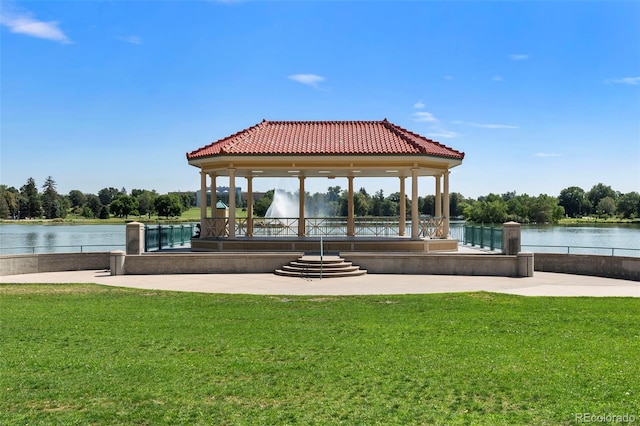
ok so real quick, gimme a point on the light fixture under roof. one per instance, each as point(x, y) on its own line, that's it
point(293, 171)
point(356, 171)
point(324, 171)
point(257, 171)
point(391, 171)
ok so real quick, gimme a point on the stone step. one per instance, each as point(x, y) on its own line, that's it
point(315, 266)
point(314, 274)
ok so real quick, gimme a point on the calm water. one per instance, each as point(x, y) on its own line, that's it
point(75, 238)
point(594, 236)
point(60, 238)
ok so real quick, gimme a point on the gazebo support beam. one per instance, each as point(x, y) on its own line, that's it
point(232, 203)
point(438, 206)
point(249, 206)
point(445, 201)
point(203, 196)
point(415, 219)
point(351, 232)
point(402, 231)
point(214, 196)
point(301, 218)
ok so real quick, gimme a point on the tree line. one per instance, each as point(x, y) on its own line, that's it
point(600, 201)
point(29, 203)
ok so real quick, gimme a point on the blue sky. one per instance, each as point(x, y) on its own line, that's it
point(539, 95)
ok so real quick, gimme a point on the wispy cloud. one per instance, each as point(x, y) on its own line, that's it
point(419, 104)
point(21, 21)
point(132, 39)
point(519, 56)
point(448, 77)
point(547, 154)
point(497, 78)
point(307, 79)
point(486, 125)
point(443, 134)
point(634, 81)
point(423, 117)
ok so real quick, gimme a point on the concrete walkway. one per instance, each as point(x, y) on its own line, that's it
point(541, 284)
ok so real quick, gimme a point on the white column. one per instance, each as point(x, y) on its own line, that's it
point(351, 228)
point(249, 206)
point(203, 197)
point(232, 203)
point(415, 218)
point(438, 206)
point(445, 201)
point(214, 196)
point(301, 218)
point(403, 209)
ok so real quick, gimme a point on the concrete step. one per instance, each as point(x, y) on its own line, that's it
point(315, 266)
point(315, 274)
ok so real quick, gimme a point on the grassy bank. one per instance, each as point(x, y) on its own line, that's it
point(85, 354)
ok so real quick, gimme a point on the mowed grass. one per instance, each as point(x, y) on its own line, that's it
point(86, 354)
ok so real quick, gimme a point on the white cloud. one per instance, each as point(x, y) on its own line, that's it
point(497, 78)
point(133, 39)
point(23, 22)
point(519, 56)
point(419, 104)
point(424, 117)
point(486, 125)
point(443, 134)
point(627, 80)
point(308, 79)
point(547, 154)
point(448, 77)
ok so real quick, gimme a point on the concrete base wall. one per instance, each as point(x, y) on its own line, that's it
point(15, 264)
point(330, 244)
point(443, 264)
point(207, 263)
point(626, 268)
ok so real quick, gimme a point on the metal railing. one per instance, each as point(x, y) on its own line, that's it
point(158, 237)
point(483, 236)
point(621, 251)
point(77, 248)
point(429, 227)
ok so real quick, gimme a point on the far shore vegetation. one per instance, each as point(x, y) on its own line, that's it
point(89, 354)
point(600, 204)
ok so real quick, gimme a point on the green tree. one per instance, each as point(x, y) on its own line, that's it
point(261, 206)
point(628, 205)
point(489, 209)
point(30, 204)
point(169, 205)
point(77, 198)
point(9, 204)
point(146, 201)
point(123, 205)
point(51, 205)
point(606, 206)
point(107, 195)
point(575, 201)
point(545, 209)
point(597, 193)
point(95, 205)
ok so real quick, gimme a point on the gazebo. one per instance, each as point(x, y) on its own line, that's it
point(324, 149)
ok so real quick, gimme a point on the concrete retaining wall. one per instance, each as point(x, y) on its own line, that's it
point(520, 265)
point(207, 263)
point(626, 268)
point(14, 264)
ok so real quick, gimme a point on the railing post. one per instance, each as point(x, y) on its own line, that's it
point(134, 238)
point(482, 236)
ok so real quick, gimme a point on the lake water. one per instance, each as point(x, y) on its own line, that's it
point(599, 238)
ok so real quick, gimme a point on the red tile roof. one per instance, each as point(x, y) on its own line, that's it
point(325, 137)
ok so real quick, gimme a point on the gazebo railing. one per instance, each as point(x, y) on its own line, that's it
point(429, 227)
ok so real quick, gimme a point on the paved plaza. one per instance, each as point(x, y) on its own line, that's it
point(541, 284)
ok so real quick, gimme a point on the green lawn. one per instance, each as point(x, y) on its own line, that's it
point(86, 354)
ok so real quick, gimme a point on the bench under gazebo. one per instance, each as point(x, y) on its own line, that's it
point(325, 149)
